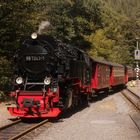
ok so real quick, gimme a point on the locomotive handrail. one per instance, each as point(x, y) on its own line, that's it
point(35, 83)
point(34, 54)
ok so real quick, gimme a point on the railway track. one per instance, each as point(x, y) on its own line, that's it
point(18, 129)
point(132, 97)
point(135, 100)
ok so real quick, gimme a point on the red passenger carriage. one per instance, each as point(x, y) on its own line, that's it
point(101, 71)
point(130, 74)
point(117, 75)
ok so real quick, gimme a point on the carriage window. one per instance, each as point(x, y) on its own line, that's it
point(118, 71)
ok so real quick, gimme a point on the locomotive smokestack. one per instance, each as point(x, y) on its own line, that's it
point(43, 25)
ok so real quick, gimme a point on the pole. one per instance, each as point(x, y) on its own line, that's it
point(137, 44)
point(137, 64)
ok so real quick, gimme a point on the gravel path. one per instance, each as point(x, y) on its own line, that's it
point(4, 115)
point(107, 119)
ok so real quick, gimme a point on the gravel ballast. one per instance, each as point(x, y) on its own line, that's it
point(107, 119)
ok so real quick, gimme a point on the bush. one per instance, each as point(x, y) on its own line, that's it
point(2, 96)
point(5, 76)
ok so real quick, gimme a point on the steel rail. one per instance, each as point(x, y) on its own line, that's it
point(135, 101)
point(10, 124)
point(133, 93)
point(137, 126)
point(132, 97)
point(28, 130)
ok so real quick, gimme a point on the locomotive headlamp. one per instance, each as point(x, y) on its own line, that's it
point(19, 80)
point(34, 35)
point(47, 80)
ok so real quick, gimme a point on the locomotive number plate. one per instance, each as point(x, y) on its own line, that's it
point(35, 58)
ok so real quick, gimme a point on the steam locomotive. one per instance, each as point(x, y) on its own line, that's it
point(52, 76)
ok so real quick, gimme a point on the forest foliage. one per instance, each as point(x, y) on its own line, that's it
point(106, 29)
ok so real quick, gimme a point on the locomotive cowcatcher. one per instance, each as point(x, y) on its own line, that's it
point(50, 76)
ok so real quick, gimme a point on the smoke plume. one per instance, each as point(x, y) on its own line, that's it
point(43, 25)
